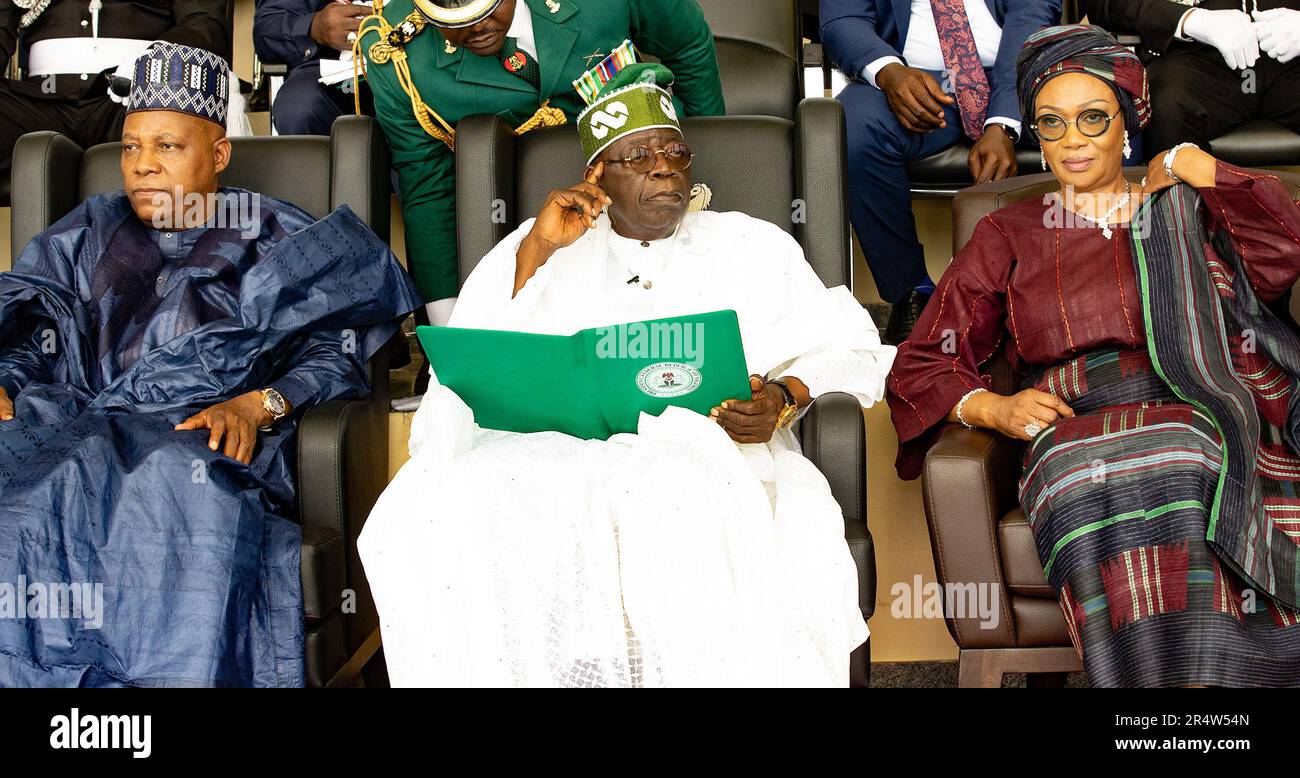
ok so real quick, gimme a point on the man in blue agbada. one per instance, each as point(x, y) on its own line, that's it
point(158, 346)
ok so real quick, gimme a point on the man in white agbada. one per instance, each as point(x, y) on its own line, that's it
point(700, 551)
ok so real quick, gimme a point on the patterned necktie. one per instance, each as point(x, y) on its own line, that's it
point(962, 59)
point(517, 61)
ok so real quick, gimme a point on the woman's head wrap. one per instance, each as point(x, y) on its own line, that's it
point(1081, 48)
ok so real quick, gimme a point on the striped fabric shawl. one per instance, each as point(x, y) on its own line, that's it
point(1219, 348)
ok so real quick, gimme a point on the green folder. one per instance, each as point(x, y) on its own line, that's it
point(595, 382)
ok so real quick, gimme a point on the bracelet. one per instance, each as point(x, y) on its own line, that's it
point(1169, 160)
point(962, 402)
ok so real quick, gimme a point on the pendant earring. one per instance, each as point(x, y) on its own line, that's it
point(1128, 150)
point(1042, 158)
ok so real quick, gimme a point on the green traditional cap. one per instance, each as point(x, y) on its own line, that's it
point(632, 101)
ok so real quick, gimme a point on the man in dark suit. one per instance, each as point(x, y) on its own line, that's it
point(71, 49)
point(300, 33)
point(1212, 66)
point(914, 93)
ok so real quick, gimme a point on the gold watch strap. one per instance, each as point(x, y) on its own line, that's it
point(791, 410)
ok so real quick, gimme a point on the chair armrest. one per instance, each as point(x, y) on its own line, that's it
point(342, 469)
point(334, 441)
point(822, 183)
point(833, 434)
point(969, 484)
point(343, 451)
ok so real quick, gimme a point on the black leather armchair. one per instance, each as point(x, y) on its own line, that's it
point(342, 445)
point(1258, 143)
point(779, 163)
point(760, 54)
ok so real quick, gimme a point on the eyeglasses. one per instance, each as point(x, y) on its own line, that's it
point(643, 159)
point(1091, 123)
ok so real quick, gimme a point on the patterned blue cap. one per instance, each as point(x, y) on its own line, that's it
point(172, 77)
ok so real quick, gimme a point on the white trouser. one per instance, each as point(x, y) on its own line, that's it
point(440, 311)
point(82, 55)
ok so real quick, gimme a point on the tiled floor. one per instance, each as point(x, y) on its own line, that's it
point(943, 675)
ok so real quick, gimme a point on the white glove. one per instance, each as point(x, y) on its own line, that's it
point(1278, 30)
point(121, 78)
point(1231, 32)
point(237, 125)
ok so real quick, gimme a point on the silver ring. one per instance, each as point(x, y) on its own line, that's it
point(352, 37)
point(1033, 428)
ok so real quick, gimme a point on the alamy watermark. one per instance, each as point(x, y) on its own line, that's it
point(77, 730)
point(42, 600)
point(179, 210)
point(678, 341)
point(921, 600)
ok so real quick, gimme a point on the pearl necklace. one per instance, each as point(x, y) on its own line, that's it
point(1104, 221)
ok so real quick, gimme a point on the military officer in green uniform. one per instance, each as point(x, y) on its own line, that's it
point(433, 62)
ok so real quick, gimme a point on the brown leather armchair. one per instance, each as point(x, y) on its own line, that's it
point(978, 533)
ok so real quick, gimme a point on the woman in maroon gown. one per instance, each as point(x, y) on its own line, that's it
point(1162, 480)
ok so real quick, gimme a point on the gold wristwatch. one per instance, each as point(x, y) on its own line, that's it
point(273, 403)
point(791, 410)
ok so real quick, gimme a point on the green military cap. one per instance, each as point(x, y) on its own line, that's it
point(632, 101)
point(456, 13)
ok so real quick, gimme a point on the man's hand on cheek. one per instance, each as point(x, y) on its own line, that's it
point(235, 421)
point(569, 213)
point(565, 217)
point(753, 420)
point(6, 406)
